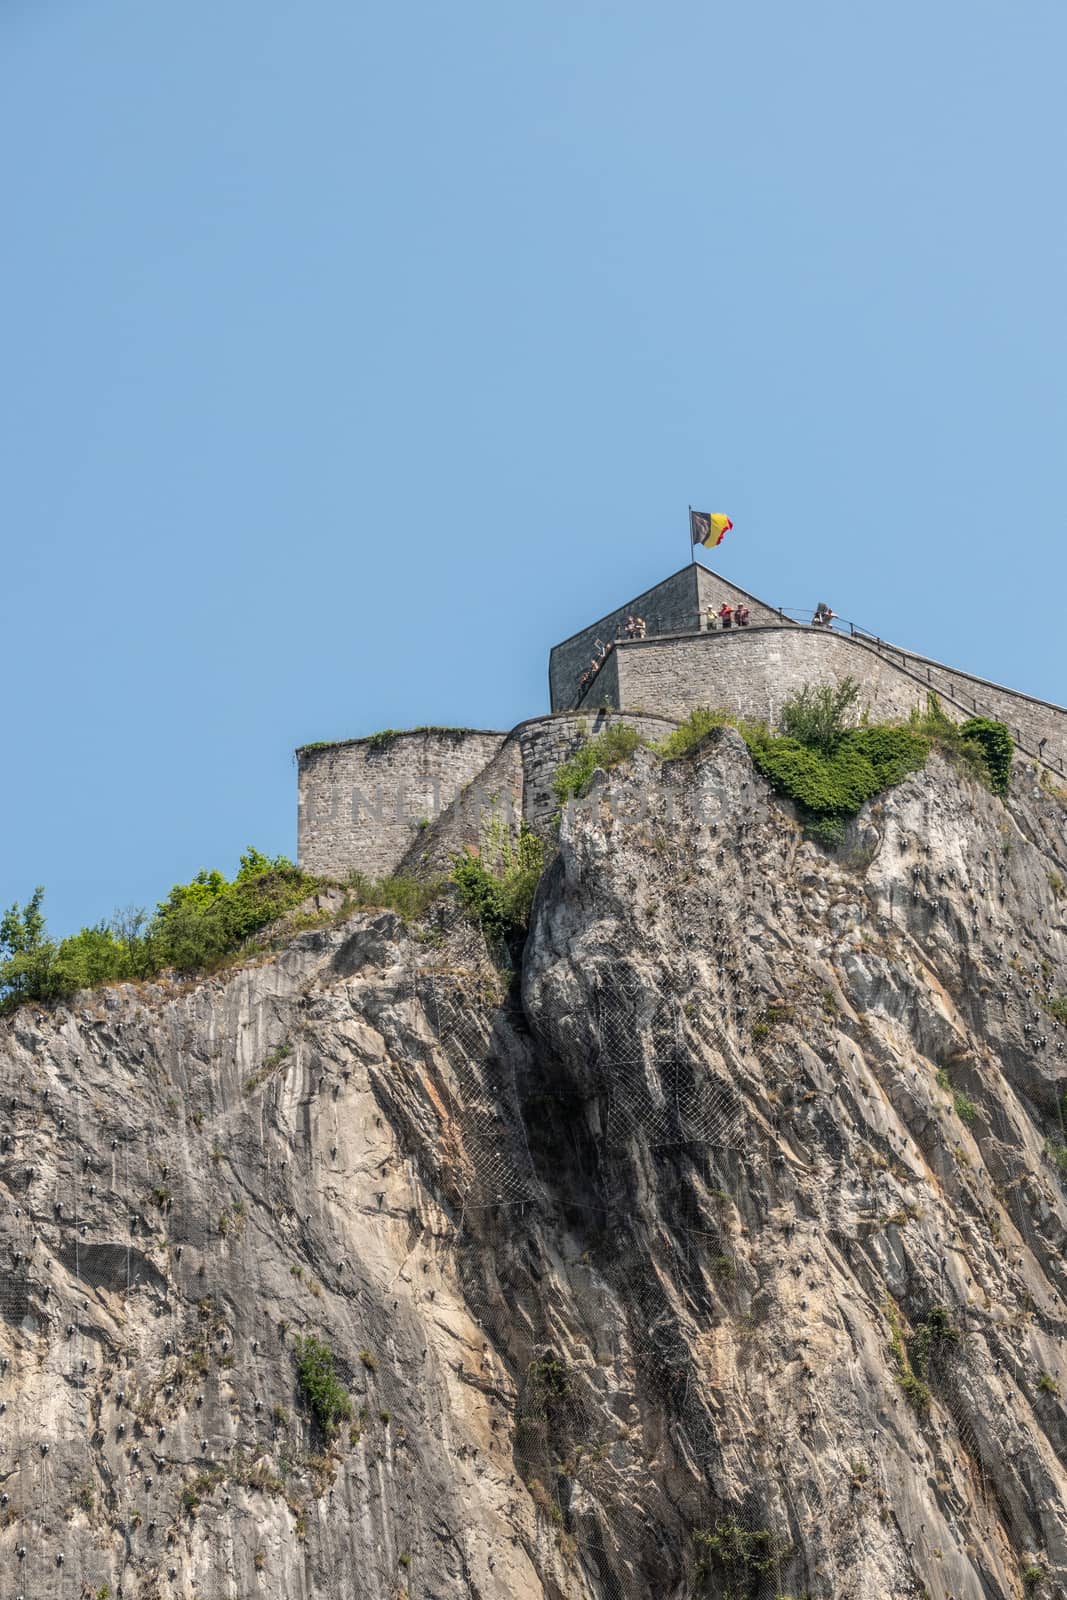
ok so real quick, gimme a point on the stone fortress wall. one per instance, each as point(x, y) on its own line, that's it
point(752, 671)
point(677, 605)
point(411, 801)
point(411, 804)
point(361, 803)
point(546, 741)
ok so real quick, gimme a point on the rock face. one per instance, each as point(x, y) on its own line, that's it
point(718, 1252)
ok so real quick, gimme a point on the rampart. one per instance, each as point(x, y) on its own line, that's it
point(411, 801)
point(677, 605)
point(752, 671)
point(517, 785)
point(546, 741)
point(361, 803)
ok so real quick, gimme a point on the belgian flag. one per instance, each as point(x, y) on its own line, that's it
point(708, 528)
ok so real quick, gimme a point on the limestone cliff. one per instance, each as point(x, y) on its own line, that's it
point(718, 1252)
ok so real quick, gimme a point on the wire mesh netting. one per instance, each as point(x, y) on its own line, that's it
point(736, 1148)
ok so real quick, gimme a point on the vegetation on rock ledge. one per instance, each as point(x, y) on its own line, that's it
point(497, 885)
point(326, 1396)
point(198, 926)
point(737, 1556)
point(616, 744)
point(830, 768)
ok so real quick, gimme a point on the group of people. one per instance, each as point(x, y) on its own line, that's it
point(635, 628)
point(727, 616)
point(600, 651)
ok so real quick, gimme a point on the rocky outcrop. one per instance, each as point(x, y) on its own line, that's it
point(717, 1252)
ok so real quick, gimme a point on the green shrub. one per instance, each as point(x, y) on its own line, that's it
point(325, 1394)
point(818, 715)
point(409, 897)
point(829, 787)
point(966, 1109)
point(893, 752)
point(917, 1392)
point(914, 1388)
point(980, 747)
point(548, 1382)
point(198, 926)
point(28, 971)
point(738, 1556)
point(684, 739)
point(933, 1339)
point(617, 743)
point(995, 743)
point(202, 922)
point(497, 887)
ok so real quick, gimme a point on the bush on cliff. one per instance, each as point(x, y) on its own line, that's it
point(829, 768)
point(202, 922)
point(497, 885)
point(326, 1396)
point(994, 741)
point(198, 926)
point(981, 748)
point(692, 732)
point(617, 743)
point(408, 896)
point(836, 783)
point(818, 716)
point(738, 1556)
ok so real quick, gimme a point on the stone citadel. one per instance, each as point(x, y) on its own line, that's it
point(708, 1244)
point(392, 802)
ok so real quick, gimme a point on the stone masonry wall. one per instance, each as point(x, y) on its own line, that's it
point(678, 605)
point(1029, 719)
point(360, 803)
point(516, 786)
point(546, 741)
point(494, 792)
point(669, 607)
point(751, 672)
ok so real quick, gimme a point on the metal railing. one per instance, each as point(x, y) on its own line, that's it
point(924, 670)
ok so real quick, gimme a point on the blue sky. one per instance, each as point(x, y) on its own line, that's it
point(354, 354)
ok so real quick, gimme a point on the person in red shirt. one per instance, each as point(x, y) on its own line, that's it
point(726, 612)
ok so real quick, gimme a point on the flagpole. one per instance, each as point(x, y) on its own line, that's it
point(692, 546)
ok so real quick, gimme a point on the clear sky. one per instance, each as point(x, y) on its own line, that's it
point(352, 354)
